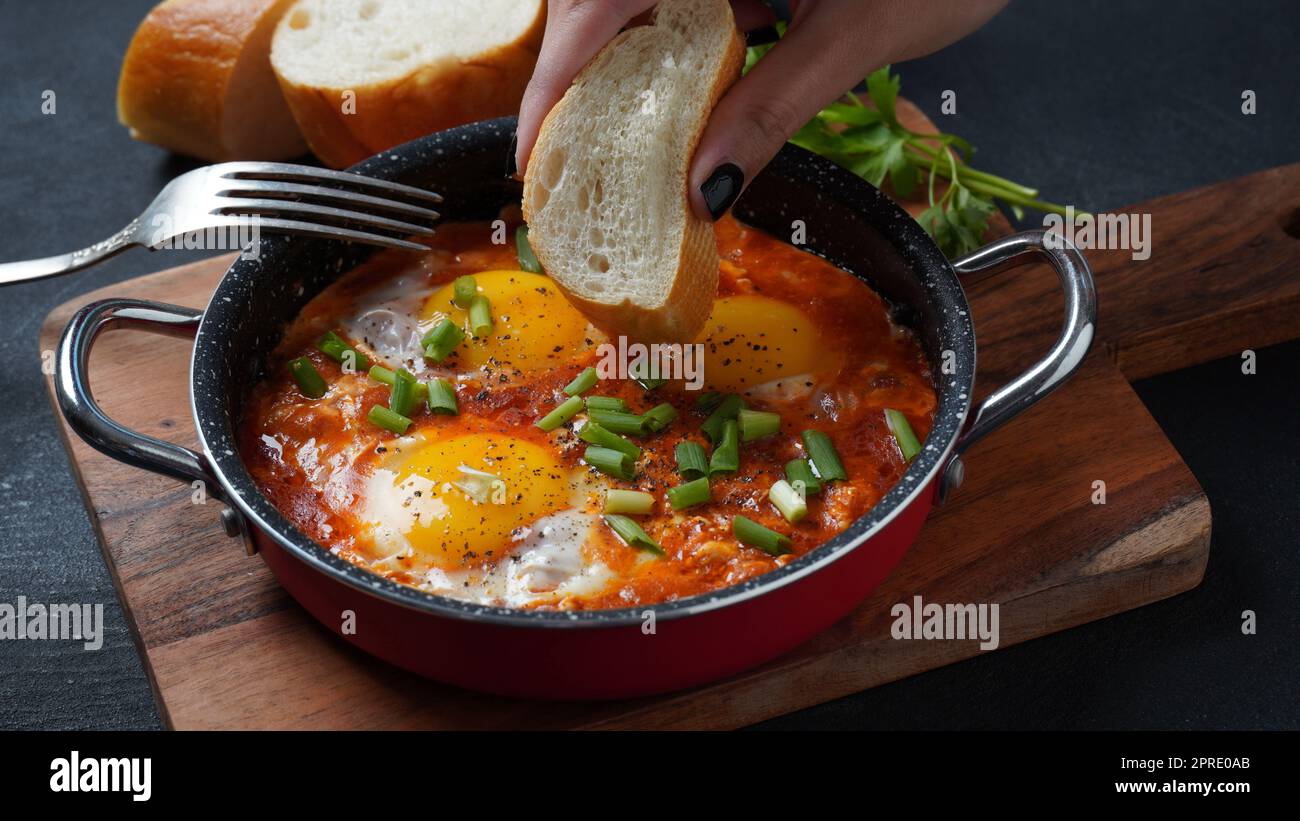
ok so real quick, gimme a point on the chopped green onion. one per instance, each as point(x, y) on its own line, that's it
point(822, 454)
point(527, 259)
point(337, 348)
point(695, 492)
point(442, 340)
point(789, 501)
point(611, 462)
point(594, 434)
point(635, 502)
point(608, 403)
point(728, 408)
point(646, 374)
point(799, 474)
point(582, 383)
point(631, 533)
point(754, 534)
point(757, 424)
point(565, 411)
point(381, 374)
point(660, 417)
point(442, 397)
point(726, 456)
point(628, 424)
point(309, 380)
point(463, 291)
point(708, 400)
point(479, 485)
point(332, 345)
point(691, 462)
point(388, 419)
point(903, 433)
point(401, 399)
point(480, 317)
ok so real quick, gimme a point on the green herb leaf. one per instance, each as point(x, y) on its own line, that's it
point(882, 86)
point(849, 114)
point(870, 142)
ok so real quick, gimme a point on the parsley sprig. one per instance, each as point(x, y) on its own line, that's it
point(870, 142)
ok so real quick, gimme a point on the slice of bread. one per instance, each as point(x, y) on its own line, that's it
point(605, 192)
point(197, 79)
point(365, 75)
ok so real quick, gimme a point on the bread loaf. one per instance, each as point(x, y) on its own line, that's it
point(605, 191)
point(197, 79)
point(364, 75)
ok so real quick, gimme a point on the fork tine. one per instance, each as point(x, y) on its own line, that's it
point(306, 173)
point(312, 229)
point(271, 188)
point(241, 206)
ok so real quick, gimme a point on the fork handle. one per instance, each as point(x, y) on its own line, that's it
point(33, 269)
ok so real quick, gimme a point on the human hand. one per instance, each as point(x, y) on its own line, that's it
point(829, 47)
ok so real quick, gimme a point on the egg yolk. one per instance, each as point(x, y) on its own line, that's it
point(454, 518)
point(533, 326)
point(751, 339)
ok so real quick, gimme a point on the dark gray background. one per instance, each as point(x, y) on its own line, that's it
point(1098, 103)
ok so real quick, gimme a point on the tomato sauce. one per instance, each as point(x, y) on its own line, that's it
point(312, 457)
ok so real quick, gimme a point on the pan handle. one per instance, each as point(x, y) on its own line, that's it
point(1060, 362)
point(72, 387)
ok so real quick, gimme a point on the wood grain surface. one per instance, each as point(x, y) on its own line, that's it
point(1223, 276)
point(225, 647)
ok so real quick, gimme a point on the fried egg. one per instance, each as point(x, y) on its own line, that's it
point(534, 326)
point(455, 502)
point(752, 340)
point(485, 517)
point(386, 321)
point(548, 562)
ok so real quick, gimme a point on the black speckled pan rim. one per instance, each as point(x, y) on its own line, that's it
point(210, 372)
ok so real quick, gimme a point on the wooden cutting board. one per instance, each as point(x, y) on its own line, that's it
point(225, 647)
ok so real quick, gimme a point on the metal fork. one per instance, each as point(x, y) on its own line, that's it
point(290, 199)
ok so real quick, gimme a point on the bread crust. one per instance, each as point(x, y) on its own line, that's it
point(176, 79)
point(431, 98)
point(687, 305)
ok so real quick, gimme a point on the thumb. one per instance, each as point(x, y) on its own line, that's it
point(801, 75)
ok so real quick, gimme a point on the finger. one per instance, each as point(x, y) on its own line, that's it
point(813, 65)
point(575, 31)
point(749, 15)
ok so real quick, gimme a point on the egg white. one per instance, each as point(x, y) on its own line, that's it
point(548, 563)
point(545, 561)
point(386, 320)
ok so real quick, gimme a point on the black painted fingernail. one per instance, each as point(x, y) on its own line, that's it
point(511, 166)
point(722, 187)
point(763, 36)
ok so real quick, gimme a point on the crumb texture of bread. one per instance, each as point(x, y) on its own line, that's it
point(364, 75)
point(197, 79)
point(605, 193)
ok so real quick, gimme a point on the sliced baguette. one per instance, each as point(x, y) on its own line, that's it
point(365, 75)
point(197, 79)
point(605, 192)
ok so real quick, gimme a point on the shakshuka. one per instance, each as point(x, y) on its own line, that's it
point(448, 421)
